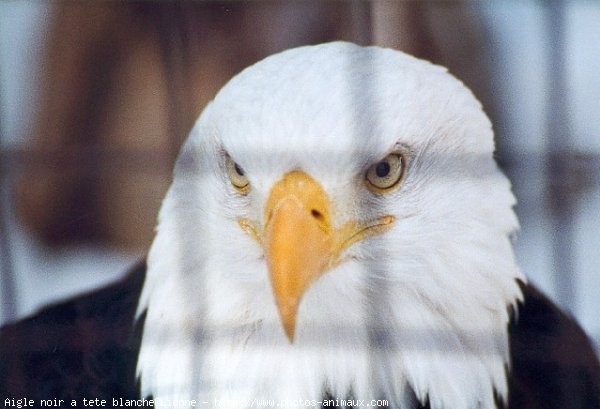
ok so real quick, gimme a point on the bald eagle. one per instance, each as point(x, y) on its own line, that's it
point(337, 233)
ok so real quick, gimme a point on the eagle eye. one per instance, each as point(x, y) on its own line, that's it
point(237, 176)
point(386, 174)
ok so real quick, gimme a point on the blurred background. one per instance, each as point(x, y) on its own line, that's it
point(97, 97)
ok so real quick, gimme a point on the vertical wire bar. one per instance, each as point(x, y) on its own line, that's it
point(360, 13)
point(559, 155)
point(362, 27)
point(173, 28)
point(7, 279)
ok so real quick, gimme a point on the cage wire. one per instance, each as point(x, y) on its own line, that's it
point(7, 278)
point(559, 171)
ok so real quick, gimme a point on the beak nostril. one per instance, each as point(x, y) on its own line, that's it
point(317, 214)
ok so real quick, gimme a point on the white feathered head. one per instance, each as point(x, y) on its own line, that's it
point(336, 225)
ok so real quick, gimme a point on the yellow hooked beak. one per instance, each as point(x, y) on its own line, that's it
point(300, 242)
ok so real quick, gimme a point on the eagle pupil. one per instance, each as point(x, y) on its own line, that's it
point(238, 169)
point(382, 169)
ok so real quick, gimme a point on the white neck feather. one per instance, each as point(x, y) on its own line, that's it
point(361, 334)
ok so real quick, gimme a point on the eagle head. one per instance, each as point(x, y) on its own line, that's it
point(336, 225)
